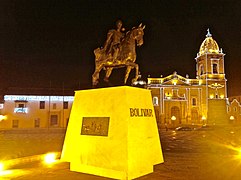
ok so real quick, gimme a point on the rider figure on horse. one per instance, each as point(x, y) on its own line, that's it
point(114, 38)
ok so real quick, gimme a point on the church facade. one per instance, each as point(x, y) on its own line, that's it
point(203, 100)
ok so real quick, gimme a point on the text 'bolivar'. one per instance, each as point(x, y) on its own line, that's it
point(138, 112)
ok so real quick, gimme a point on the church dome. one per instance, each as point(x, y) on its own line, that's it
point(209, 45)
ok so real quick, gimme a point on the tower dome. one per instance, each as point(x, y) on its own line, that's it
point(209, 45)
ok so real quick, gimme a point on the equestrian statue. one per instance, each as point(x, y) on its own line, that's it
point(119, 51)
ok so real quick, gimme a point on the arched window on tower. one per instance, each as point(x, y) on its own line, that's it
point(215, 68)
point(194, 101)
point(201, 69)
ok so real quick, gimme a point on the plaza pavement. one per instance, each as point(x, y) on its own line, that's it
point(211, 154)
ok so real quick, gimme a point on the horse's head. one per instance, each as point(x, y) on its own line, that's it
point(138, 34)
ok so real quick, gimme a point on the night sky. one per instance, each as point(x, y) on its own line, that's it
point(52, 41)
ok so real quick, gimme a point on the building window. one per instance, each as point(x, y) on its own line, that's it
point(215, 69)
point(53, 120)
point(155, 101)
point(235, 109)
point(20, 107)
point(54, 105)
point(194, 101)
point(37, 123)
point(65, 105)
point(42, 105)
point(15, 123)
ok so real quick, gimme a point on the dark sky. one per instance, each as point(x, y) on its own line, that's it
point(53, 40)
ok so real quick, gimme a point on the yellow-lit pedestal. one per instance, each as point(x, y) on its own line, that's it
point(112, 132)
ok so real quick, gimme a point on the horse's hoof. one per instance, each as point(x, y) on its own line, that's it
point(94, 83)
point(106, 80)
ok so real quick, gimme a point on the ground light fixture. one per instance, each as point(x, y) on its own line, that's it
point(50, 158)
point(3, 171)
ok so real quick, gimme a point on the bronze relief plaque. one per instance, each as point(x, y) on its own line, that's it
point(95, 126)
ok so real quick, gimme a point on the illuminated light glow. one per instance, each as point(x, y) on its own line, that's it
point(50, 158)
point(211, 96)
point(2, 117)
point(168, 96)
point(141, 82)
point(5, 173)
point(238, 156)
point(216, 86)
point(222, 96)
point(237, 150)
point(200, 82)
point(231, 118)
point(203, 118)
point(37, 98)
point(173, 118)
point(1, 166)
point(20, 110)
point(174, 82)
point(11, 174)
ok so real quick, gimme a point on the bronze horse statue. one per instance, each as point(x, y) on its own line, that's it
point(126, 56)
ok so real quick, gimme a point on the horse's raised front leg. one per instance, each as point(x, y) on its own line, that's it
point(108, 73)
point(131, 65)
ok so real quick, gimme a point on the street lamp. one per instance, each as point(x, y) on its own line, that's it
point(173, 118)
point(203, 120)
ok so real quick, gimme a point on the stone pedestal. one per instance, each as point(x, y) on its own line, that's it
point(112, 132)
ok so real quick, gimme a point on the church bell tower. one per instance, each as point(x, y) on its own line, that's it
point(210, 69)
